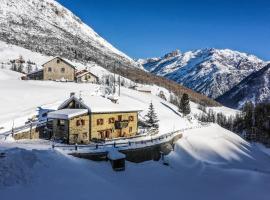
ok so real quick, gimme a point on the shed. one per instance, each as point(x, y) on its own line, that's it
point(117, 159)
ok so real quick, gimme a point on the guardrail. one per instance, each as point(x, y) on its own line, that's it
point(21, 128)
point(153, 140)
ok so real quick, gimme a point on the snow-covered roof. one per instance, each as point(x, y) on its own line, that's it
point(39, 70)
point(144, 88)
point(98, 104)
point(114, 154)
point(66, 113)
point(84, 72)
point(63, 59)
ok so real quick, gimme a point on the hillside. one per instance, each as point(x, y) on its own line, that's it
point(211, 72)
point(208, 163)
point(49, 28)
point(255, 88)
point(46, 27)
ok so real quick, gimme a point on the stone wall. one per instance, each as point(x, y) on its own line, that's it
point(96, 129)
point(35, 133)
point(79, 132)
point(56, 65)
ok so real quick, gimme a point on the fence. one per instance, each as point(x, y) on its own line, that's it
point(23, 127)
point(145, 141)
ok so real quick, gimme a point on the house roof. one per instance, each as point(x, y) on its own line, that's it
point(34, 72)
point(98, 104)
point(66, 113)
point(84, 72)
point(114, 154)
point(144, 88)
point(64, 60)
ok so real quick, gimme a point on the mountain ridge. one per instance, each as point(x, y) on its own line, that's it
point(209, 71)
point(254, 88)
point(46, 27)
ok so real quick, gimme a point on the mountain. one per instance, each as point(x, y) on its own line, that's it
point(255, 88)
point(47, 27)
point(211, 72)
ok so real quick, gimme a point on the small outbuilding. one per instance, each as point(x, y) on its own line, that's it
point(84, 76)
point(117, 159)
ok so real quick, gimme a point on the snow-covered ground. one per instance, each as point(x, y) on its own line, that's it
point(211, 163)
point(208, 162)
point(19, 100)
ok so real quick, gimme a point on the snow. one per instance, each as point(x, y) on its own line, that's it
point(211, 163)
point(98, 104)
point(114, 154)
point(50, 94)
point(66, 113)
point(211, 72)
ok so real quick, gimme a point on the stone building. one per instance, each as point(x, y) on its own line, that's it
point(36, 75)
point(58, 69)
point(92, 118)
point(84, 76)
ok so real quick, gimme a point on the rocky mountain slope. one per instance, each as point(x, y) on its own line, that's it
point(211, 72)
point(47, 27)
point(255, 88)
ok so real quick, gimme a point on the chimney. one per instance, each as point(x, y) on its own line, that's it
point(72, 94)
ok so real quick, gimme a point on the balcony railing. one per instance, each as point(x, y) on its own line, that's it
point(121, 124)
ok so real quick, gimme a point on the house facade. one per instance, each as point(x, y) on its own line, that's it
point(58, 69)
point(78, 121)
point(84, 76)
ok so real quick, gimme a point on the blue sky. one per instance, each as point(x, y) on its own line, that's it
point(151, 28)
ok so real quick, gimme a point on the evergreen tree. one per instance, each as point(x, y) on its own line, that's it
point(151, 117)
point(184, 106)
point(248, 115)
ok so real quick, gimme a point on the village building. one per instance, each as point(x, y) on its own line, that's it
point(59, 69)
point(36, 75)
point(84, 76)
point(93, 118)
point(144, 89)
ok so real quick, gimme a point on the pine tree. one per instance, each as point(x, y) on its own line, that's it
point(151, 117)
point(248, 112)
point(184, 106)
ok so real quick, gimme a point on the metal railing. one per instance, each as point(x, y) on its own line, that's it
point(153, 140)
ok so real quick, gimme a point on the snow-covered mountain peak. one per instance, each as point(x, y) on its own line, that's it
point(209, 71)
point(46, 26)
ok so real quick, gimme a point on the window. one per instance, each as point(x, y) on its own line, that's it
point(84, 135)
point(130, 129)
point(61, 122)
point(111, 120)
point(99, 121)
point(80, 122)
point(58, 61)
point(49, 69)
point(83, 122)
point(119, 117)
point(63, 70)
point(131, 118)
point(107, 134)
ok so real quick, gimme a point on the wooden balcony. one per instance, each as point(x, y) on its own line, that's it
point(121, 124)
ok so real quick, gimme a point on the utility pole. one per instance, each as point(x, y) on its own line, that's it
point(119, 84)
point(114, 78)
point(12, 130)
